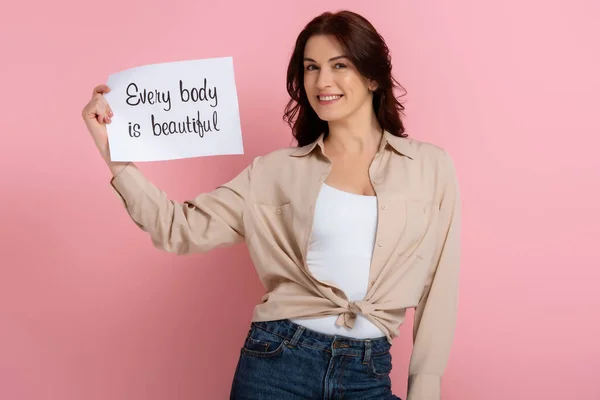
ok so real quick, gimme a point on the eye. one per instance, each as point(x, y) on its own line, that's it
point(311, 67)
point(339, 65)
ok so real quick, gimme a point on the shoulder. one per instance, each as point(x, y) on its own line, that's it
point(424, 149)
point(278, 155)
point(276, 160)
point(430, 155)
point(430, 161)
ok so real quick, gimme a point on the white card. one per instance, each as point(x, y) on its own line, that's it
point(174, 110)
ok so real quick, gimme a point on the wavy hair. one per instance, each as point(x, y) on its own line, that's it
point(369, 53)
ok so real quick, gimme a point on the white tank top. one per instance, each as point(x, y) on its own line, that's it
point(340, 252)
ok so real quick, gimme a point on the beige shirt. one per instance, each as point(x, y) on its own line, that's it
point(271, 204)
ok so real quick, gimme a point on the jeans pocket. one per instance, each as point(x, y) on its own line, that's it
point(381, 364)
point(262, 343)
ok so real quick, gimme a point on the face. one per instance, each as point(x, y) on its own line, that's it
point(335, 88)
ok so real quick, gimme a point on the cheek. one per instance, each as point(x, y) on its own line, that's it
point(309, 79)
point(348, 83)
point(308, 88)
point(309, 91)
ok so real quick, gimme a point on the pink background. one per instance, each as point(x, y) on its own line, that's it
point(90, 310)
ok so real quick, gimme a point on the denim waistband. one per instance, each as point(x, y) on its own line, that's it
point(335, 344)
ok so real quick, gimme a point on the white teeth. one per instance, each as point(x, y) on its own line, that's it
point(329, 98)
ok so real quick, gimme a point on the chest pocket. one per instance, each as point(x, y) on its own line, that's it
point(274, 223)
point(421, 221)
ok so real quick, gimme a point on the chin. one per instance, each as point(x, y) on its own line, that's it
point(331, 116)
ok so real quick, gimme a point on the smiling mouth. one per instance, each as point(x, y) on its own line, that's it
point(329, 99)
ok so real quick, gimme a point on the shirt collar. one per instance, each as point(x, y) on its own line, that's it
point(399, 144)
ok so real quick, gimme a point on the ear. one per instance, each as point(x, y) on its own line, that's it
point(373, 86)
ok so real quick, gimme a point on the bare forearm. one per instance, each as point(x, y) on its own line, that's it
point(116, 167)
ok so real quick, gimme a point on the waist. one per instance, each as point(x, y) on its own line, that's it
point(296, 302)
point(363, 328)
point(290, 330)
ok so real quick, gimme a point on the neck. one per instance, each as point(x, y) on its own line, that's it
point(355, 135)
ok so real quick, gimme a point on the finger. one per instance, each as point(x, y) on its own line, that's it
point(100, 90)
point(91, 111)
point(106, 110)
point(101, 106)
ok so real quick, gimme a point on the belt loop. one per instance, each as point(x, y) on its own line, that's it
point(297, 335)
point(367, 358)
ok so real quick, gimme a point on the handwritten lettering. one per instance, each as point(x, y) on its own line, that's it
point(135, 97)
point(193, 125)
point(134, 131)
point(196, 95)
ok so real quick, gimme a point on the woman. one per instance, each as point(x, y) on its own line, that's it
point(347, 230)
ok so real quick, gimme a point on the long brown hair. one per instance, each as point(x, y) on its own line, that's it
point(369, 53)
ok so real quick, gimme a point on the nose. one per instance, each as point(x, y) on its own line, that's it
point(324, 79)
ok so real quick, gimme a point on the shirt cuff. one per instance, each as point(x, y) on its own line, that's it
point(127, 185)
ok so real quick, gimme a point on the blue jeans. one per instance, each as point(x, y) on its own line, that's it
point(281, 360)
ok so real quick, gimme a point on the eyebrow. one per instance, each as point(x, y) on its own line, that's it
point(331, 59)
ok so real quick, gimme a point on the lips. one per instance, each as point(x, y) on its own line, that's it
point(326, 97)
point(329, 99)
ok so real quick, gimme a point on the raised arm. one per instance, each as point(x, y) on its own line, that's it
point(211, 219)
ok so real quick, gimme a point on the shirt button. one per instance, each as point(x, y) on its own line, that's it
point(278, 211)
point(383, 207)
point(380, 243)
